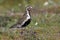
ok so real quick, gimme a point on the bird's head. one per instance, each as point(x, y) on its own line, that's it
point(28, 8)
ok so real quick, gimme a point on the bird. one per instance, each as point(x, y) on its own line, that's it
point(24, 20)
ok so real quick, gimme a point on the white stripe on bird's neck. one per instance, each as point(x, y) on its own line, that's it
point(28, 16)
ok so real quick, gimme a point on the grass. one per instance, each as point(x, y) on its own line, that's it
point(44, 26)
point(48, 28)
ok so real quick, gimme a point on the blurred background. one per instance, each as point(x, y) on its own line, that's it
point(45, 24)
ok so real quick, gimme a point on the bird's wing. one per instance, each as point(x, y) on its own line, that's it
point(18, 24)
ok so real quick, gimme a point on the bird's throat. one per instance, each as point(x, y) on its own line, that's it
point(28, 14)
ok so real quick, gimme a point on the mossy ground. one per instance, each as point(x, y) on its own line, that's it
point(44, 25)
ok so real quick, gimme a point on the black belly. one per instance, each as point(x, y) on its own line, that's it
point(26, 23)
